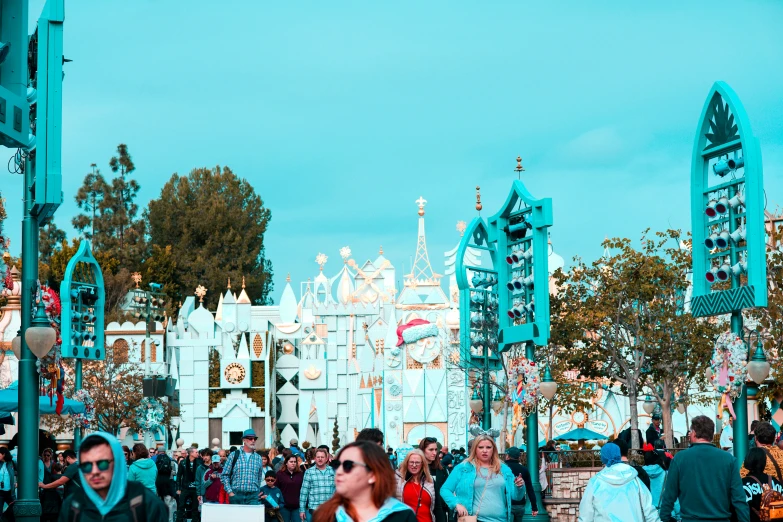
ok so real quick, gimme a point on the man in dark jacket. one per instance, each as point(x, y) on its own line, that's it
point(625, 435)
point(190, 480)
point(643, 476)
point(705, 479)
point(654, 431)
point(106, 494)
point(518, 506)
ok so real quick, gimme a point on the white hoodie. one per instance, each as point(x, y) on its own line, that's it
point(615, 494)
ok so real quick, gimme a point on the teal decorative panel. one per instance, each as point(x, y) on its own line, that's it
point(723, 302)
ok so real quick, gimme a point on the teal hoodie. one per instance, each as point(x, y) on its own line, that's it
point(118, 482)
point(389, 507)
point(144, 471)
point(657, 482)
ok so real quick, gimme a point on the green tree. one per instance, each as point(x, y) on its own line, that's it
point(109, 216)
point(229, 243)
point(622, 318)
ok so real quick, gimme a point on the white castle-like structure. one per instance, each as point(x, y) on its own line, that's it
point(326, 362)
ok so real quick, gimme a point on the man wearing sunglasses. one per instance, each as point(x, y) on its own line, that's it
point(70, 477)
point(243, 473)
point(106, 494)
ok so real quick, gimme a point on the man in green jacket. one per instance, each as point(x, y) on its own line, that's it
point(705, 479)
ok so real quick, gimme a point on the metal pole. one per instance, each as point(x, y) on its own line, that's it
point(532, 451)
point(27, 507)
point(741, 404)
point(77, 381)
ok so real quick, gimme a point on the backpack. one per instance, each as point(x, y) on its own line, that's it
point(163, 463)
point(771, 507)
point(134, 492)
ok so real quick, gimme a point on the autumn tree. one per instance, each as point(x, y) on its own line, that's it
point(214, 223)
point(621, 318)
point(116, 387)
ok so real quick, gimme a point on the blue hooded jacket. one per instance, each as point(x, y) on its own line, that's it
point(391, 506)
point(119, 479)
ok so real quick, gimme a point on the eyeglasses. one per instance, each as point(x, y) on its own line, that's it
point(429, 440)
point(347, 465)
point(87, 467)
point(271, 480)
point(412, 463)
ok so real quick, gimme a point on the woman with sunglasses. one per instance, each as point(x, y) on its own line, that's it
point(364, 488)
point(415, 486)
point(429, 445)
point(289, 481)
point(482, 486)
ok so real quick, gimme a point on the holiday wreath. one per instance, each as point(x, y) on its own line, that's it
point(149, 414)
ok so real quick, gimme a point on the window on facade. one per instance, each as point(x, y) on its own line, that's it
point(234, 438)
point(153, 352)
point(120, 351)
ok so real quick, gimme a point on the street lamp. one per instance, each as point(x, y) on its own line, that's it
point(758, 367)
point(649, 405)
point(476, 404)
point(497, 402)
point(16, 346)
point(40, 336)
point(548, 385)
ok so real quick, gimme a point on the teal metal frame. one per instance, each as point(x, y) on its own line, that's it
point(725, 203)
point(83, 298)
point(478, 299)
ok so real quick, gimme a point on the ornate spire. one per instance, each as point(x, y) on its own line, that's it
point(478, 199)
point(288, 278)
point(421, 202)
point(243, 282)
point(422, 269)
point(229, 284)
point(200, 292)
point(380, 251)
point(321, 260)
point(519, 168)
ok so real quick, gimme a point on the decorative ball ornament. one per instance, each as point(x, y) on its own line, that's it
point(288, 348)
point(729, 364)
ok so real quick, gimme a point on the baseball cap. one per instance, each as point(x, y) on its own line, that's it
point(215, 458)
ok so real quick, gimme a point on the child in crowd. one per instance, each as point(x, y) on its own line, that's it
point(272, 497)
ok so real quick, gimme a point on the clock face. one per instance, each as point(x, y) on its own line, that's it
point(424, 350)
point(234, 373)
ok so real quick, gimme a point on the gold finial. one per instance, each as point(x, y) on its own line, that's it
point(461, 228)
point(136, 276)
point(478, 198)
point(288, 278)
point(345, 253)
point(200, 292)
point(520, 169)
point(229, 283)
point(380, 251)
point(243, 282)
point(321, 259)
point(421, 202)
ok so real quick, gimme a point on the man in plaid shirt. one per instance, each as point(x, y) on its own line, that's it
point(243, 473)
point(317, 485)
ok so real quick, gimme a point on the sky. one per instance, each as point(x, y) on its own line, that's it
point(341, 114)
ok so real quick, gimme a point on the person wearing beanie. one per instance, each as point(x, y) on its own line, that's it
point(616, 493)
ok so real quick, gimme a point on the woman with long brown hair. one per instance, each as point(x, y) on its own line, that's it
point(289, 481)
point(364, 488)
point(432, 453)
point(484, 478)
point(415, 487)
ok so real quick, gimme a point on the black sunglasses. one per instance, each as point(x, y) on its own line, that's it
point(87, 467)
point(251, 438)
point(347, 465)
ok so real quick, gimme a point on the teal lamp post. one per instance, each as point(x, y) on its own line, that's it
point(727, 218)
point(519, 231)
point(477, 280)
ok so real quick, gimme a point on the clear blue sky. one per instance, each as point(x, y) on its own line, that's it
point(341, 114)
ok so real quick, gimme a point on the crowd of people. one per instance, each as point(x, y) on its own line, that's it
point(363, 483)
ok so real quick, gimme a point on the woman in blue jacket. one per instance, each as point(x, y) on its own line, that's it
point(487, 480)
